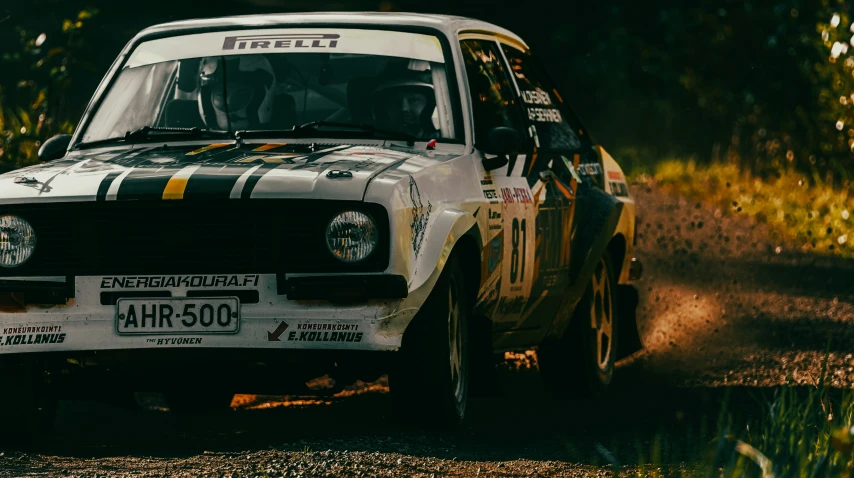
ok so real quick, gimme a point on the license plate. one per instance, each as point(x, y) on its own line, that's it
point(178, 315)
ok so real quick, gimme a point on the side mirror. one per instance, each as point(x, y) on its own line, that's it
point(55, 147)
point(500, 141)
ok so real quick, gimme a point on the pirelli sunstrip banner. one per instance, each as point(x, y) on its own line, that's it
point(289, 40)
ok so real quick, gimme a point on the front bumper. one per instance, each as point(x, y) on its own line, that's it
point(88, 321)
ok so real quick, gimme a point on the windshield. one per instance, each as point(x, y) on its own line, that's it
point(278, 79)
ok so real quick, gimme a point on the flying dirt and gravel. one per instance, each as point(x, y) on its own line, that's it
point(725, 305)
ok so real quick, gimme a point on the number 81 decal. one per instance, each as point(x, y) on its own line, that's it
point(517, 260)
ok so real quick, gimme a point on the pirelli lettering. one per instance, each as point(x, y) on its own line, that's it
point(166, 282)
point(281, 40)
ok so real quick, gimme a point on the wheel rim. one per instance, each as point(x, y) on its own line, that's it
point(455, 336)
point(602, 316)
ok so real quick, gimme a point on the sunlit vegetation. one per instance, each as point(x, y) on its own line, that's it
point(801, 432)
point(817, 217)
point(787, 431)
point(38, 69)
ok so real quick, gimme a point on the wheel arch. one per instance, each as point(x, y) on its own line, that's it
point(617, 250)
point(627, 300)
point(468, 251)
point(455, 233)
point(465, 249)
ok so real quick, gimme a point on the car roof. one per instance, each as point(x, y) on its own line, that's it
point(450, 25)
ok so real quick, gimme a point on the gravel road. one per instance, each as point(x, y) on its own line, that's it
point(725, 306)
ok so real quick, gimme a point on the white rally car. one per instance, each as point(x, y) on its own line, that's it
point(252, 202)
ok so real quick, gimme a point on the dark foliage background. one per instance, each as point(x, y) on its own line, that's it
point(765, 84)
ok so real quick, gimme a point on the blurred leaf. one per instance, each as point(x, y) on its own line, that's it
point(840, 438)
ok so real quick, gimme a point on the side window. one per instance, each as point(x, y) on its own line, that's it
point(492, 100)
point(542, 104)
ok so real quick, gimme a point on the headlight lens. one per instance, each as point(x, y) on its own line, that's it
point(352, 236)
point(17, 241)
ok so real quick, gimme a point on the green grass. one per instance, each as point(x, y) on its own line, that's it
point(803, 432)
point(818, 218)
point(789, 431)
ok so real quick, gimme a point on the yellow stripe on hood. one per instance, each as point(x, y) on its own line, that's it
point(269, 146)
point(178, 183)
point(207, 148)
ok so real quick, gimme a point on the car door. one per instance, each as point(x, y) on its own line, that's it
point(561, 160)
point(512, 214)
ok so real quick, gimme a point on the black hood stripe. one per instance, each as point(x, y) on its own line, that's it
point(105, 185)
point(219, 170)
point(256, 176)
point(113, 190)
point(214, 182)
point(241, 182)
point(146, 182)
point(252, 180)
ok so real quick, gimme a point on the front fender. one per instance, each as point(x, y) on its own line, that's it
point(442, 236)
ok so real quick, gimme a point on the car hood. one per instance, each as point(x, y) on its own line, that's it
point(212, 171)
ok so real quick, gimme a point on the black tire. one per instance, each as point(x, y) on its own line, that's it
point(429, 379)
point(189, 401)
point(581, 363)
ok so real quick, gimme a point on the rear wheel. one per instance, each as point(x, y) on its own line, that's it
point(430, 378)
point(581, 363)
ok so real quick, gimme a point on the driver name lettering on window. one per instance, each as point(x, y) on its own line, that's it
point(552, 129)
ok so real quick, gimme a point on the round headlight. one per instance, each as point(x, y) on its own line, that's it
point(351, 236)
point(17, 241)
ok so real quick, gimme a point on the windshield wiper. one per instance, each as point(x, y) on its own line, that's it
point(314, 128)
point(146, 132)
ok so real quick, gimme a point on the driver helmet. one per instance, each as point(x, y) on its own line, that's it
point(236, 92)
point(406, 103)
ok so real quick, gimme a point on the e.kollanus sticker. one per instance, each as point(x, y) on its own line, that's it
point(49, 334)
point(316, 332)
